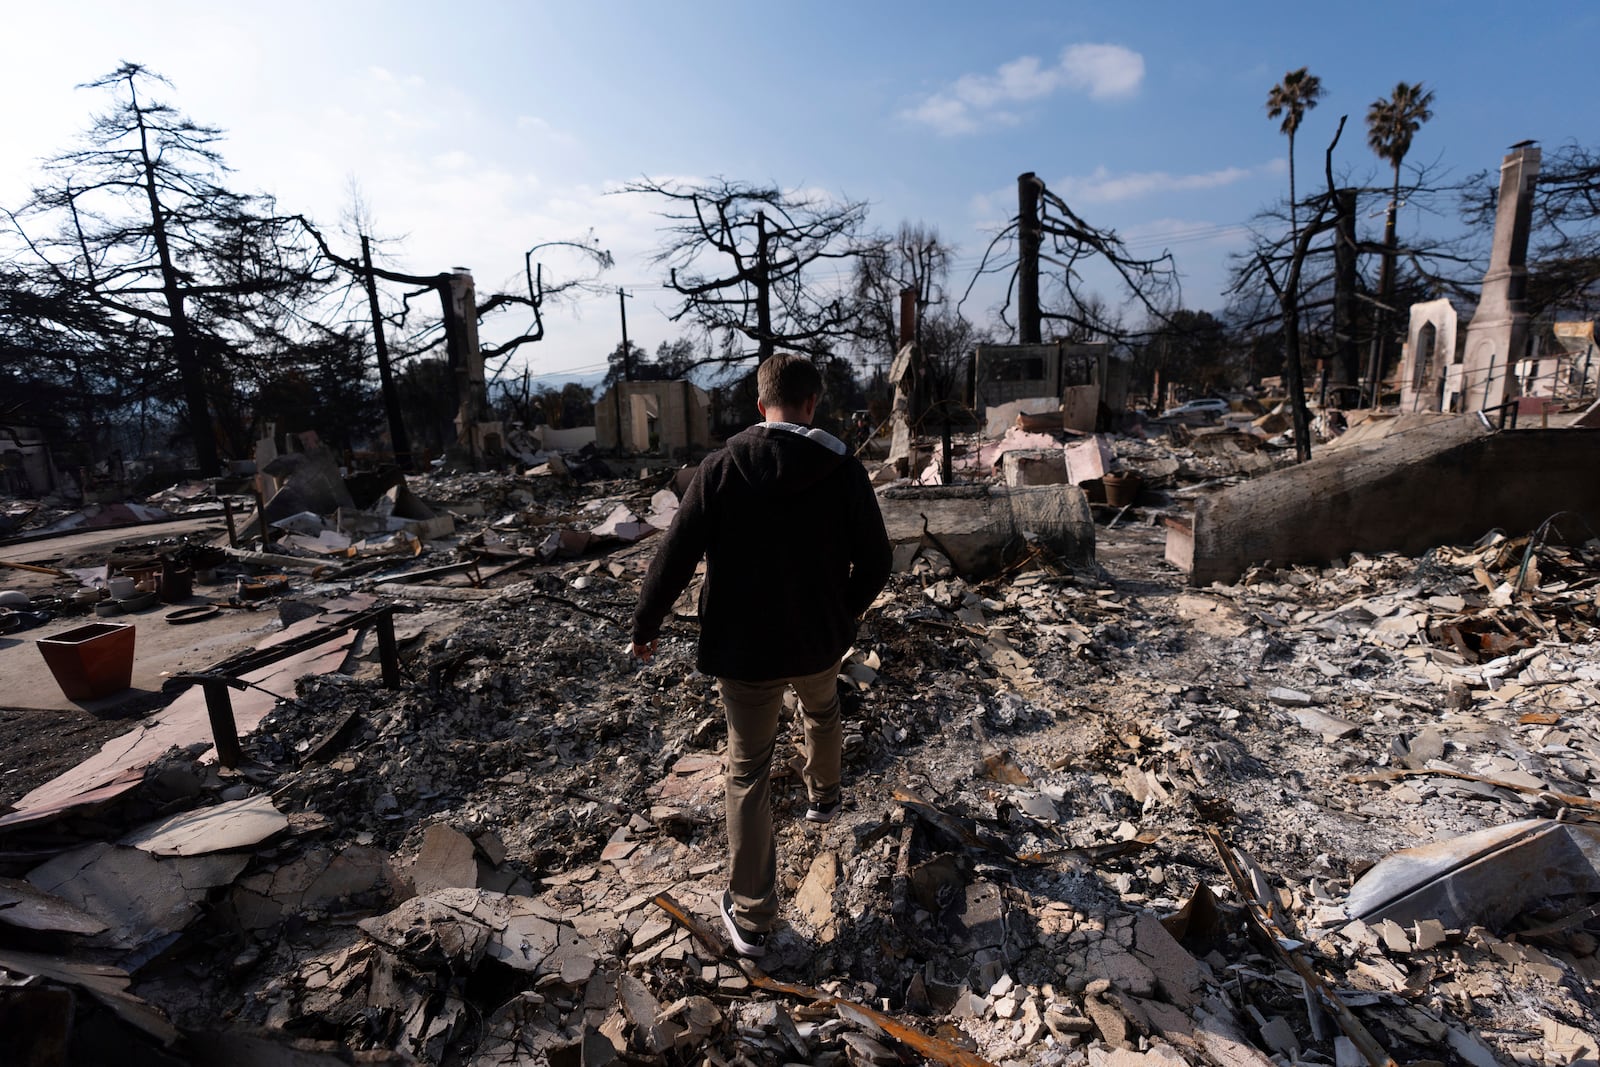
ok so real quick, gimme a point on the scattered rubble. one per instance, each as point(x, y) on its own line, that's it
point(1095, 816)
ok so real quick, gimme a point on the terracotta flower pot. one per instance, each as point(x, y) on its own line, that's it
point(91, 661)
point(1122, 489)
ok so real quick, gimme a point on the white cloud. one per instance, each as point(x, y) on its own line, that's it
point(1104, 187)
point(1162, 234)
point(945, 114)
point(993, 208)
point(385, 76)
point(1103, 71)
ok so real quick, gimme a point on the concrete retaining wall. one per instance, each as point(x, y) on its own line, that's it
point(1446, 482)
point(983, 528)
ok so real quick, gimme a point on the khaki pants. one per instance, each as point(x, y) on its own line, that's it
point(752, 709)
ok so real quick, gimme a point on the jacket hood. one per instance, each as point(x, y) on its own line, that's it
point(785, 456)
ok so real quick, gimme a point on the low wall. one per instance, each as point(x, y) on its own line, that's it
point(982, 528)
point(1443, 483)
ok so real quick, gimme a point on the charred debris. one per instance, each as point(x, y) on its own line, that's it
point(427, 810)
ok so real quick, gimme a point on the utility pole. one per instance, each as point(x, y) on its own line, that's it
point(1030, 235)
point(391, 401)
point(627, 353)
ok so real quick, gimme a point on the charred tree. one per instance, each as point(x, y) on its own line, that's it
point(1067, 243)
point(1347, 355)
point(746, 259)
point(460, 313)
point(1287, 293)
point(1030, 237)
point(139, 224)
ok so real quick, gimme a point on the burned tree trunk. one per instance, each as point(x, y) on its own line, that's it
point(1030, 235)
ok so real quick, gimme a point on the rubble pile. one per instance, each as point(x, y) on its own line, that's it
point(1093, 816)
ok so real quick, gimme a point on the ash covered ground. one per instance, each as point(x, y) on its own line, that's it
point(1039, 766)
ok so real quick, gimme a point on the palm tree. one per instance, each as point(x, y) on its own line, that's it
point(1292, 98)
point(1391, 124)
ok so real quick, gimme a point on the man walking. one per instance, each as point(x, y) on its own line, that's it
point(795, 552)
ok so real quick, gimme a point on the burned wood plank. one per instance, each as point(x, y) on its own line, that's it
point(963, 831)
point(32, 569)
point(1095, 854)
point(1261, 914)
point(929, 1047)
point(1569, 799)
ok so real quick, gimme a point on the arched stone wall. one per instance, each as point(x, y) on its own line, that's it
point(1425, 383)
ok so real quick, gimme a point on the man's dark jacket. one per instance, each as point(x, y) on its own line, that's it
point(795, 552)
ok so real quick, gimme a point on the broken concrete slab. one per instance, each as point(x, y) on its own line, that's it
point(313, 881)
point(431, 934)
point(814, 898)
point(446, 860)
point(27, 907)
point(1024, 467)
point(1089, 459)
point(621, 523)
point(313, 484)
point(460, 927)
point(226, 827)
point(1015, 439)
point(106, 984)
point(323, 543)
point(1179, 976)
point(663, 508)
point(565, 544)
point(1330, 727)
point(998, 418)
point(401, 503)
point(143, 899)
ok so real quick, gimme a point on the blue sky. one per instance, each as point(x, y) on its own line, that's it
point(477, 131)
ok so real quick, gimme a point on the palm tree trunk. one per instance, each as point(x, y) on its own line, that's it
point(1294, 210)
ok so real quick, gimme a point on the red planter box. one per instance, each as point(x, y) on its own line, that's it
point(92, 661)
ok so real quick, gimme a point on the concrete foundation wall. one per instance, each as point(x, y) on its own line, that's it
point(664, 417)
point(1447, 482)
point(983, 528)
point(1026, 467)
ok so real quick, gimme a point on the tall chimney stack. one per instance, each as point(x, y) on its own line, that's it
point(908, 317)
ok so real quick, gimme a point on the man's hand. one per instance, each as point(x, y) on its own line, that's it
point(642, 653)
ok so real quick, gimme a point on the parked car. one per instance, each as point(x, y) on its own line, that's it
point(1211, 406)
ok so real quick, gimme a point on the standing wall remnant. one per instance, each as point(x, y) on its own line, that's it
point(665, 417)
point(983, 528)
point(1498, 335)
point(1442, 482)
point(1431, 367)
